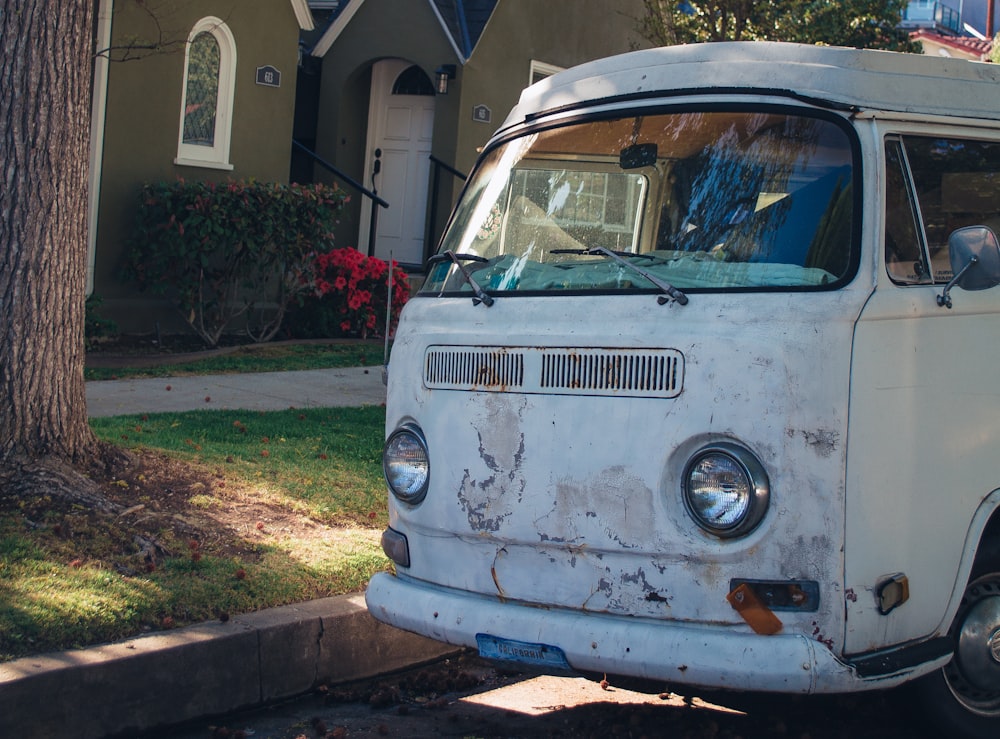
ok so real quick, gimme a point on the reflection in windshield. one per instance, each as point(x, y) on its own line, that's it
point(718, 200)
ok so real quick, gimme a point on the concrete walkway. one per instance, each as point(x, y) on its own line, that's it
point(162, 679)
point(264, 391)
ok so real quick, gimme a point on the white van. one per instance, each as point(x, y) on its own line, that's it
point(703, 385)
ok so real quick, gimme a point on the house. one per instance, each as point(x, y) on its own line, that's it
point(410, 90)
point(192, 89)
point(962, 29)
point(958, 47)
point(395, 95)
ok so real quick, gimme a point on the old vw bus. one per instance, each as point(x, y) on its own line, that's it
point(703, 385)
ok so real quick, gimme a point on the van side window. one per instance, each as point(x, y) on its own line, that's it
point(904, 253)
point(957, 183)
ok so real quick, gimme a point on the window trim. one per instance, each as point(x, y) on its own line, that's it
point(216, 156)
point(905, 139)
point(542, 70)
point(896, 140)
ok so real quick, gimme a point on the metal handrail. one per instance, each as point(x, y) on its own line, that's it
point(340, 174)
point(448, 168)
point(370, 194)
point(435, 186)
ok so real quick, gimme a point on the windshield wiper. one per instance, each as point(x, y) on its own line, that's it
point(481, 296)
point(669, 291)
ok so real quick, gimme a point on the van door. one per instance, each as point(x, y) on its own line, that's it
point(924, 424)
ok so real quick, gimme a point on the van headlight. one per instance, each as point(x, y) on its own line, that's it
point(726, 490)
point(406, 464)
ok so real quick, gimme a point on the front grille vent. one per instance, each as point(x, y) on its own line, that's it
point(474, 368)
point(642, 373)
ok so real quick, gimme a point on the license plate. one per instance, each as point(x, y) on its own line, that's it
point(542, 655)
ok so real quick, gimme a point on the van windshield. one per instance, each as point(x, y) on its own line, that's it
point(706, 200)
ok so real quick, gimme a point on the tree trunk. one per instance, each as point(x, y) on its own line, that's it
point(45, 70)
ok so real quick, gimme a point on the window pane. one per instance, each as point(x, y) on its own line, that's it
point(707, 200)
point(202, 93)
point(412, 81)
point(957, 184)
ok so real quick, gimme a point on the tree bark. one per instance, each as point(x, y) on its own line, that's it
point(45, 69)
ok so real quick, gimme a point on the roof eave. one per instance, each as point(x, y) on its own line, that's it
point(462, 58)
point(336, 28)
point(303, 15)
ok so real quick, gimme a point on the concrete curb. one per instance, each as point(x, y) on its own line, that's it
point(204, 670)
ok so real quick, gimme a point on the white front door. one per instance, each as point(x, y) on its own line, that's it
point(401, 124)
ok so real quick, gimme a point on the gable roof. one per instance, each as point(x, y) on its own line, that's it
point(462, 21)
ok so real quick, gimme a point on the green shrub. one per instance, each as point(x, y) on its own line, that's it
point(238, 249)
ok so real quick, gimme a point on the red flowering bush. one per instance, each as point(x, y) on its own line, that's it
point(351, 295)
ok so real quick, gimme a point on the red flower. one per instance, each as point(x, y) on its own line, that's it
point(356, 286)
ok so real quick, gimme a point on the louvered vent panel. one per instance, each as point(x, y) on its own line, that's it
point(476, 368)
point(615, 372)
point(645, 373)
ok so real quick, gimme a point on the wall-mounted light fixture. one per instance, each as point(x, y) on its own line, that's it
point(444, 73)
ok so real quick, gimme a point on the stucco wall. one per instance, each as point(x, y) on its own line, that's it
point(562, 33)
point(143, 115)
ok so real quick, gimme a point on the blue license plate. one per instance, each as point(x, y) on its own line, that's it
point(542, 655)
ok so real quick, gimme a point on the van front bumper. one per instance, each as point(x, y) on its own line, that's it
point(718, 657)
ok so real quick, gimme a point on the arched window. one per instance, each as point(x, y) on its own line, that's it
point(412, 81)
point(207, 100)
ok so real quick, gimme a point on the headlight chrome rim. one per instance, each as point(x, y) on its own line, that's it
point(751, 504)
point(406, 464)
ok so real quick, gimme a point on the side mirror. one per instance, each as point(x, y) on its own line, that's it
point(974, 252)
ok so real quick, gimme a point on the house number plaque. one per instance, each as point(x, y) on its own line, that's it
point(268, 76)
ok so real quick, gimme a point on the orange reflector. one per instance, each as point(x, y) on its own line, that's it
point(761, 619)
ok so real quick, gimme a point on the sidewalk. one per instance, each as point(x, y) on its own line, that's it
point(264, 391)
point(162, 679)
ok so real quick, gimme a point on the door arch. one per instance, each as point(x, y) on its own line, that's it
point(400, 127)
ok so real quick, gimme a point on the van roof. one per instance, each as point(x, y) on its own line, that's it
point(853, 78)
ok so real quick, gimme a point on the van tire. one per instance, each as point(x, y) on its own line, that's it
point(958, 704)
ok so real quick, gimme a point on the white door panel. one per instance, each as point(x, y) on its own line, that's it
point(401, 128)
point(923, 440)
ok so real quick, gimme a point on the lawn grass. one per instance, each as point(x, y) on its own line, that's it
point(323, 461)
point(274, 357)
point(69, 578)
